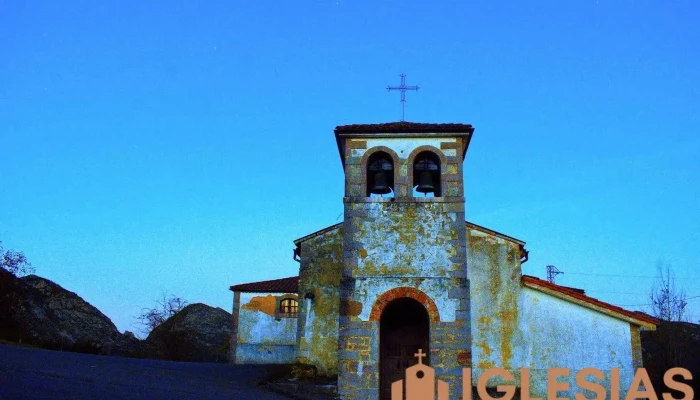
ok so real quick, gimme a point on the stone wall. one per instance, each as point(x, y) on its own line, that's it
point(494, 271)
point(319, 285)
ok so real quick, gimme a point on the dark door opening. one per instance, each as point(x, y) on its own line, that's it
point(404, 328)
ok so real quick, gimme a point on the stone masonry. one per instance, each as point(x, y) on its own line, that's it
point(403, 246)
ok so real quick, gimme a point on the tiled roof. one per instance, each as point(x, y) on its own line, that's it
point(284, 285)
point(577, 295)
point(403, 127)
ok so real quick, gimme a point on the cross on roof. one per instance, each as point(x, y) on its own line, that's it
point(420, 356)
point(403, 88)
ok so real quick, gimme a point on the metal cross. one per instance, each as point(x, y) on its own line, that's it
point(420, 356)
point(403, 88)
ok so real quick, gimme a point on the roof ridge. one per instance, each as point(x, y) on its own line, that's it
point(404, 127)
point(476, 226)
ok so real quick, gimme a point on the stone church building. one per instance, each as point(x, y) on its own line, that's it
point(405, 271)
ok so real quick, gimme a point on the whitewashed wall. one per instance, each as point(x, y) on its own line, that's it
point(566, 335)
point(262, 338)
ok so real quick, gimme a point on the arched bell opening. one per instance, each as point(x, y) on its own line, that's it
point(380, 175)
point(426, 175)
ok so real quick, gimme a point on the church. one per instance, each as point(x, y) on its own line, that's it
point(405, 271)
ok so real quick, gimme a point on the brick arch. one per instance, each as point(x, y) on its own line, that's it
point(394, 160)
point(443, 163)
point(401, 292)
point(432, 149)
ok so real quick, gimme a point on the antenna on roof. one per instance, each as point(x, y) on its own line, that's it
point(552, 272)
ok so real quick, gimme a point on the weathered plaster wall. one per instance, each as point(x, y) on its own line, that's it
point(406, 247)
point(406, 239)
point(494, 273)
point(517, 327)
point(320, 271)
point(561, 334)
point(261, 338)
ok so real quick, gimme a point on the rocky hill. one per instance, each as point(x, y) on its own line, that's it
point(39, 312)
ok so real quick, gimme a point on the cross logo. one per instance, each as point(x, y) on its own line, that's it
point(420, 383)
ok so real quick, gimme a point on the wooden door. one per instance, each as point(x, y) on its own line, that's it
point(403, 330)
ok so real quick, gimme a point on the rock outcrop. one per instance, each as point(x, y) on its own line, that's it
point(198, 332)
point(37, 311)
point(81, 326)
point(23, 317)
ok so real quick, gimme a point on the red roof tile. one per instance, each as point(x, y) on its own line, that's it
point(284, 285)
point(576, 293)
point(403, 127)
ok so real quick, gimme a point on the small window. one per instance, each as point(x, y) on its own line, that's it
point(289, 308)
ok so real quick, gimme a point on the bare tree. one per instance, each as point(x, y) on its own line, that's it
point(165, 308)
point(668, 302)
point(15, 262)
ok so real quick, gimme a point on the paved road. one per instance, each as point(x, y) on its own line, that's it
point(29, 374)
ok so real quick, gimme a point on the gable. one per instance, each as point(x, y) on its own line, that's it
point(494, 233)
point(470, 225)
point(318, 233)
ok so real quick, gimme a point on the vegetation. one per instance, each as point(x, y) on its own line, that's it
point(675, 342)
point(668, 302)
point(15, 262)
point(165, 308)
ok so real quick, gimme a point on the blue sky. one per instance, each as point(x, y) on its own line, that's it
point(180, 147)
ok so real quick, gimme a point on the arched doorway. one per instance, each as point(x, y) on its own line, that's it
point(404, 327)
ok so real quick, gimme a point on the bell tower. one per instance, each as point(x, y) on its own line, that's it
point(404, 237)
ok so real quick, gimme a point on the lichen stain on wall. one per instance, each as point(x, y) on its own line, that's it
point(351, 308)
point(484, 325)
point(320, 274)
point(404, 239)
point(494, 265)
point(265, 304)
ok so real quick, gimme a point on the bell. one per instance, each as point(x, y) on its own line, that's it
point(380, 184)
point(425, 182)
